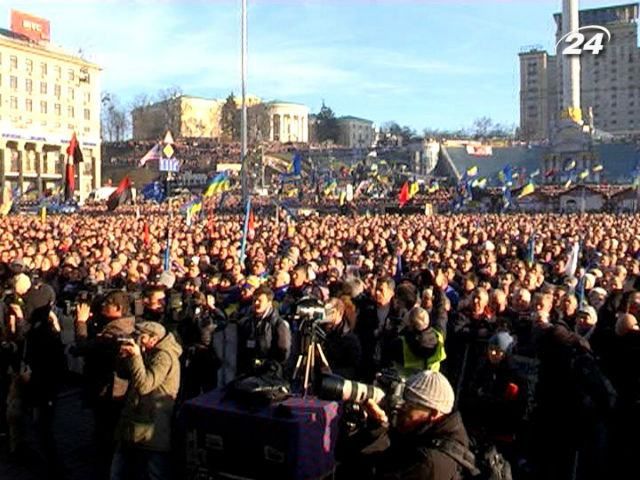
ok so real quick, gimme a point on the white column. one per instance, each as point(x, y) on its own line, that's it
point(571, 67)
point(271, 127)
point(305, 129)
point(282, 131)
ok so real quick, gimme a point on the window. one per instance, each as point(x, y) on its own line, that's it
point(43, 107)
point(29, 105)
point(14, 103)
point(43, 69)
point(57, 109)
point(71, 75)
point(57, 90)
point(71, 112)
point(29, 65)
point(43, 88)
point(87, 114)
point(13, 82)
point(72, 93)
point(87, 97)
point(58, 72)
point(28, 85)
point(13, 61)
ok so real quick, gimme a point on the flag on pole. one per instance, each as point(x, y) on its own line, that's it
point(403, 197)
point(167, 253)
point(570, 165)
point(535, 173)
point(218, 184)
point(568, 183)
point(43, 214)
point(413, 189)
point(584, 174)
point(528, 189)
point(153, 154)
point(572, 264)
point(120, 195)
point(251, 227)
point(506, 175)
point(73, 150)
point(296, 164)
point(597, 168)
point(472, 171)
point(245, 232)
point(343, 198)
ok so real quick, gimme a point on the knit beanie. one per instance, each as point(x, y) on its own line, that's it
point(431, 390)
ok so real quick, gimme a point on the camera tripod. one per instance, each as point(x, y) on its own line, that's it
point(310, 349)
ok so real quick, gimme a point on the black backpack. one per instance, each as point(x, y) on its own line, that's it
point(481, 462)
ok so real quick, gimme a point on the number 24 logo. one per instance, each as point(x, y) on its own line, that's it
point(577, 44)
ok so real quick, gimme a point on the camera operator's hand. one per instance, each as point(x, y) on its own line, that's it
point(54, 322)
point(130, 349)
point(83, 313)
point(376, 413)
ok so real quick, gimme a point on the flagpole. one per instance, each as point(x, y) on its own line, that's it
point(243, 121)
point(245, 232)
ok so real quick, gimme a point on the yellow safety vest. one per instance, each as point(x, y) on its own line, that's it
point(414, 364)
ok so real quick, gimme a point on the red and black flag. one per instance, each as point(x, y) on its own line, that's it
point(121, 194)
point(74, 155)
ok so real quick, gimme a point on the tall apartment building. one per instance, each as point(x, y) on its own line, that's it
point(45, 96)
point(610, 81)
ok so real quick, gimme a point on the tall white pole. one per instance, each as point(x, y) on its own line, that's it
point(243, 121)
point(571, 67)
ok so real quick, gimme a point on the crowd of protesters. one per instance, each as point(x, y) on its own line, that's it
point(533, 319)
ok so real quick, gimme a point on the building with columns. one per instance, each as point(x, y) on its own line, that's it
point(288, 122)
point(45, 96)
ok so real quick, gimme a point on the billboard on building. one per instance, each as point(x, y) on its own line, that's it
point(36, 28)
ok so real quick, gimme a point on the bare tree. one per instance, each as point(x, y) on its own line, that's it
point(114, 118)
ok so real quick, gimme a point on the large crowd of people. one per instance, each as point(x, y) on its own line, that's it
point(518, 329)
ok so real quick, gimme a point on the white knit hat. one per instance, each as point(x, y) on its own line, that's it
point(430, 389)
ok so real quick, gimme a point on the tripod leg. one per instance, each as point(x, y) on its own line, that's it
point(323, 358)
point(308, 369)
point(296, 370)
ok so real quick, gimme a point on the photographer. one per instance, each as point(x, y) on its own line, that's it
point(200, 360)
point(425, 422)
point(262, 336)
point(104, 387)
point(341, 346)
point(144, 430)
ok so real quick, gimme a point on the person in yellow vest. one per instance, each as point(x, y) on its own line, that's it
point(422, 344)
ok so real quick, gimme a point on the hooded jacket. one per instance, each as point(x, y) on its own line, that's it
point(155, 379)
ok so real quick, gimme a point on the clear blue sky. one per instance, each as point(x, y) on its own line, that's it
point(422, 63)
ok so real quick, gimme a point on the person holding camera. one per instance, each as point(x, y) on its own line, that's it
point(200, 360)
point(263, 336)
point(341, 346)
point(99, 345)
point(425, 427)
point(143, 433)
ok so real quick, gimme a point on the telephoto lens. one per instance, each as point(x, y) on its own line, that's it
point(334, 387)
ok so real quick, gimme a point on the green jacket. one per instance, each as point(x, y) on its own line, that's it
point(153, 388)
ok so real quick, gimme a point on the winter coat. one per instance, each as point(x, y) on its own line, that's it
point(262, 339)
point(154, 383)
point(413, 457)
point(101, 358)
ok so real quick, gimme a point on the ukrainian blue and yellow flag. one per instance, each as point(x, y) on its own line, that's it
point(218, 184)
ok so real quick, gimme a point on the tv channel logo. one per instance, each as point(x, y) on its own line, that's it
point(576, 41)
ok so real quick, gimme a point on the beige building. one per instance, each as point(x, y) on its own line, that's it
point(46, 95)
point(356, 132)
point(610, 81)
point(188, 116)
point(185, 116)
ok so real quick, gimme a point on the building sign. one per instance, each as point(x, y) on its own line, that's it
point(36, 28)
